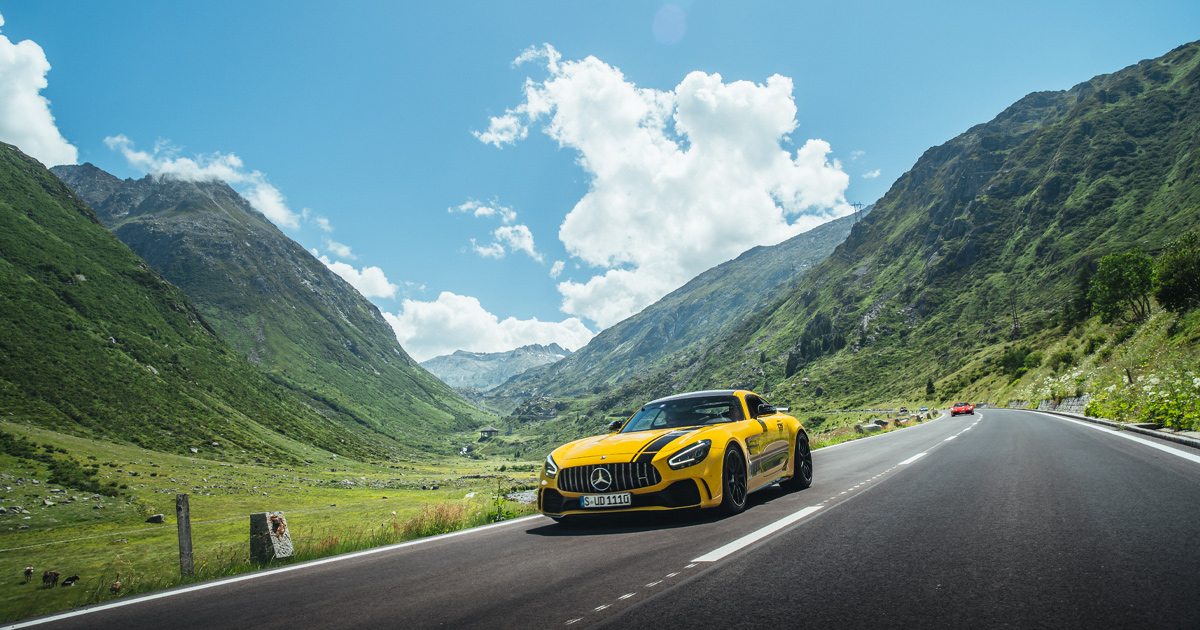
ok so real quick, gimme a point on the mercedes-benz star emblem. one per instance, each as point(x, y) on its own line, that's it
point(601, 479)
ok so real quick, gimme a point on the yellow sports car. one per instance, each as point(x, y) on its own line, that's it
point(703, 449)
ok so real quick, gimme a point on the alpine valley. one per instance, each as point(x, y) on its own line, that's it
point(301, 325)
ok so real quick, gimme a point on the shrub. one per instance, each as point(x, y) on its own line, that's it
point(1033, 360)
point(1062, 358)
point(1094, 344)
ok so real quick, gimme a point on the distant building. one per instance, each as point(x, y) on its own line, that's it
point(488, 432)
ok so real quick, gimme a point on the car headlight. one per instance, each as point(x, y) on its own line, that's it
point(691, 455)
point(550, 468)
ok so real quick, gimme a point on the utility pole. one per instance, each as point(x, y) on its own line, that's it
point(857, 209)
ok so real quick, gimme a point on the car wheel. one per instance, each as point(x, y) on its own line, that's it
point(734, 481)
point(804, 466)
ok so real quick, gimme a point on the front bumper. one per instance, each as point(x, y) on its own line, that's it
point(684, 493)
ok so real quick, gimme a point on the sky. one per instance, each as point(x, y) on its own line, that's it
point(494, 174)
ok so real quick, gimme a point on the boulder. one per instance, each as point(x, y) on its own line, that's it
point(157, 519)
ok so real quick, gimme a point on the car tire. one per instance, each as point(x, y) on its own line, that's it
point(803, 476)
point(735, 481)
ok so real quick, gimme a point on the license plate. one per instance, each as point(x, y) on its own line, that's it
point(606, 500)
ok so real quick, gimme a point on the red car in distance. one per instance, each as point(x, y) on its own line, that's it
point(962, 408)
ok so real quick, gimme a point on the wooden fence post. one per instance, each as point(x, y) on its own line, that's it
point(184, 521)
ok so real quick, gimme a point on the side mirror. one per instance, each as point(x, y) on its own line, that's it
point(615, 426)
point(765, 410)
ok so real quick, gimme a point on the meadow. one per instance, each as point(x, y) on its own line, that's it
point(333, 507)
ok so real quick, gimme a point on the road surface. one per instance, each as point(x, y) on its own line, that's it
point(1003, 519)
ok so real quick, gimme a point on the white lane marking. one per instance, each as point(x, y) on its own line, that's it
point(1129, 436)
point(671, 575)
point(626, 596)
point(756, 536)
point(950, 438)
point(601, 607)
point(575, 620)
point(654, 583)
point(259, 574)
point(912, 459)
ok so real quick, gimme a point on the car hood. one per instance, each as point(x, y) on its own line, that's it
point(622, 447)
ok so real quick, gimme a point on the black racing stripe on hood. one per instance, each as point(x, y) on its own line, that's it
point(650, 450)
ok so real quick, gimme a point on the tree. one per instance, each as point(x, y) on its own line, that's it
point(929, 387)
point(1080, 305)
point(1177, 274)
point(1120, 288)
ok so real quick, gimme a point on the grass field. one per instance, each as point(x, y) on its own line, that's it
point(332, 507)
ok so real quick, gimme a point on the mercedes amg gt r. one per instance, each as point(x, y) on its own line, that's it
point(706, 449)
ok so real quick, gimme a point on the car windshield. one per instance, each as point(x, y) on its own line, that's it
point(685, 412)
point(961, 405)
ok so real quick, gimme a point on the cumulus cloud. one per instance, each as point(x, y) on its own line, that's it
point(370, 282)
point(321, 222)
point(680, 180)
point(556, 269)
point(164, 161)
point(340, 250)
point(25, 118)
point(517, 238)
point(871, 174)
point(505, 214)
point(458, 322)
point(495, 250)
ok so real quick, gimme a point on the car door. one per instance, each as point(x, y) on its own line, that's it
point(770, 450)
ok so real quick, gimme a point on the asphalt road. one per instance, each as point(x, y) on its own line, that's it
point(1003, 519)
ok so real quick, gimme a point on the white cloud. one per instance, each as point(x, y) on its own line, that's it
point(495, 250)
point(506, 215)
point(458, 322)
point(854, 155)
point(25, 118)
point(871, 175)
point(340, 250)
point(163, 161)
point(371, 282)
point(680, 180)
point(518, 238)
point(322, 223)
point(556, 269)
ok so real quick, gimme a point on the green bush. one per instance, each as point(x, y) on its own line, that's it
point(1033, 360)
point(1062, 358)
point(1094, 343)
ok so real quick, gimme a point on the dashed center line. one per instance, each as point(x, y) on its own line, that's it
point(755, 536)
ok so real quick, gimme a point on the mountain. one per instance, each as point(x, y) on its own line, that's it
point(975, 249)
point(485, 370)
point(301, 324)
point(95, 343)
point(708, 306)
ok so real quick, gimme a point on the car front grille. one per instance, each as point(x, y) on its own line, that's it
point(625, 477)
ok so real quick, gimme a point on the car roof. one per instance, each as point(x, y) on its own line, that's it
point(709, 392)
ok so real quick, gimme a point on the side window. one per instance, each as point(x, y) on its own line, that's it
point(752, 402)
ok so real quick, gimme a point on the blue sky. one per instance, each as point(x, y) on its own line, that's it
point(482, 203)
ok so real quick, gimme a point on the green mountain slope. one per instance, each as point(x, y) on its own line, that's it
point(304, 326)
point(975, 249)
point(95, 343)
point(677, 326)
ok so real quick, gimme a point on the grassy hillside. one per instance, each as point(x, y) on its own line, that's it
point(301, 324)
point(95, 343)
point(681, 324)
